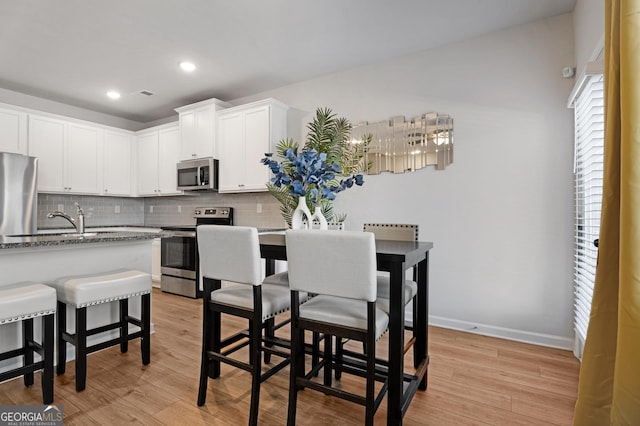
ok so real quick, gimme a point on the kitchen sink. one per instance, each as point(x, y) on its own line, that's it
point(77, 235)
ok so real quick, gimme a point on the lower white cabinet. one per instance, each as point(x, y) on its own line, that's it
point(158, 153)
point(245, 134)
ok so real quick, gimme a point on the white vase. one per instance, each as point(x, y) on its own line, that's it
point(319, 217)
point(301, 217)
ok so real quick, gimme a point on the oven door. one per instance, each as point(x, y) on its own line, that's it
point(178, 263)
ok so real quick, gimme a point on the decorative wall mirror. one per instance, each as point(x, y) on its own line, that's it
point(400, 146)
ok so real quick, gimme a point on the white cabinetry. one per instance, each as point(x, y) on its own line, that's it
point(245, 134)
point(84, 149)
point(13, 131)
point(198, 129)
point(158, 152)
point(67, 154)
point(117, 163)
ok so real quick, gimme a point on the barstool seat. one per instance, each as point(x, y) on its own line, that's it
point(82, 291)
point(94, 289)
point(23, 302)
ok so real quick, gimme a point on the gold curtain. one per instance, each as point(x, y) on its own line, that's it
point(609, 388)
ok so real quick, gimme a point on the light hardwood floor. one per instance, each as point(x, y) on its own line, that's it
point(473, 380)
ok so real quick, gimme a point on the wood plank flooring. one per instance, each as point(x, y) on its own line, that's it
point(473, 380)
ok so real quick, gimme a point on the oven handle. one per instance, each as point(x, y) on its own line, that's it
point(182, 234)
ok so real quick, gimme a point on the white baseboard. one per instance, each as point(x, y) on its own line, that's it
point(504, 333)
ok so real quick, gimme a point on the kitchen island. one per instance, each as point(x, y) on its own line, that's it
point(45, 257)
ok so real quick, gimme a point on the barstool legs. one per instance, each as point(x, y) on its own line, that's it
point(27, 339)
point(81, 348)
point(47, 369)
point(62, 344)
point(146, 329)
point(79, 339)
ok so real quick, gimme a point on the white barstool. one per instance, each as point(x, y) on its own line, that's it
point(23, 302)
point(89, 290)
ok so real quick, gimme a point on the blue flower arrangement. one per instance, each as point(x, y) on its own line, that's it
point(327, 163)
point(308, 174)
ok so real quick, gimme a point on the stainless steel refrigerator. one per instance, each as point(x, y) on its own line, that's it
point(18, 194)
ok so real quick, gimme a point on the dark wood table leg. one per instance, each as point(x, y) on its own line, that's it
point(421, 347)
point(396, 345)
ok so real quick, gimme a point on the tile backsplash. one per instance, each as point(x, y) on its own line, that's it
point(252, 209)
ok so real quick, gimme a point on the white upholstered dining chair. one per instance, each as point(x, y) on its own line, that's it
point(339, 267)
point(232, 253)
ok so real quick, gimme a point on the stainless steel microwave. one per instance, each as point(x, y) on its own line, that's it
point(198, 174)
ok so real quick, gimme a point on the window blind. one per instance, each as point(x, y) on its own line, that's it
point(588, 166)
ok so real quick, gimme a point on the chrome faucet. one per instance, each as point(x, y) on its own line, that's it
point(78, 223)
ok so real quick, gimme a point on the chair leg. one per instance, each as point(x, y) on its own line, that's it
point(216, 337)
point(81, 348)
point(256, 372)
point(315, 349)
point(269, 331)
point(146, 329)
point(204, 362)
point(371, 380)
point(124, 325)
point(47, 370)
point(328, 356)
point(27, 344)
point(297, 363)
point(62, 344)
point(339, 356)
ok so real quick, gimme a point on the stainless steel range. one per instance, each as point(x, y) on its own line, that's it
point(179, 252)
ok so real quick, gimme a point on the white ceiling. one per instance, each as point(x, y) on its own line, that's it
point(74, 51)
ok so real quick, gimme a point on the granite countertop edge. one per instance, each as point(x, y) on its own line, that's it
point(50, 240)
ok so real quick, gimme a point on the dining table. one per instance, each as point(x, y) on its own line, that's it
point(395, 257)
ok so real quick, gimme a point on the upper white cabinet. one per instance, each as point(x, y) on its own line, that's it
point(117, 163)
point(47, 142)
point(68, 155)
point(84, 151)
point(245, 134)
point(198, 129)
point(158, 152)
point(13, 131)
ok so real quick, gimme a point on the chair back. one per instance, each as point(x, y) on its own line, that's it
point(392, 231)
point(230, 253)
point(335, 263)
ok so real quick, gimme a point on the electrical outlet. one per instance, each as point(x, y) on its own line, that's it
point(179, 209)
point(259, 208)
point(60, 207)
point(117, 209)
point(150, 209)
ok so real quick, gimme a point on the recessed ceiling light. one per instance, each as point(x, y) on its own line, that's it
point(187, 66)
point(113, 94)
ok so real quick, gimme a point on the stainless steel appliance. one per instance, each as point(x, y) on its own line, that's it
point(179, 252)
point(18, 194)
point(198, 174)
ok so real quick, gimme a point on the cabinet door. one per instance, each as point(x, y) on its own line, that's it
point(148, 164)
point(117, 163)
point(46, 141)
point(196, 132)
point(256, 143)
point(231, 152)
point(188, 134)
point(84, 171)
point(169, 148)
point(13, 131)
